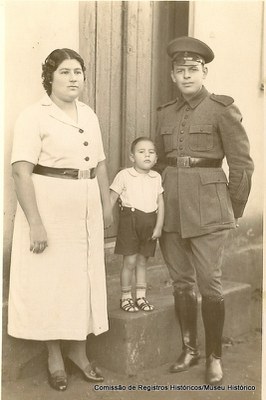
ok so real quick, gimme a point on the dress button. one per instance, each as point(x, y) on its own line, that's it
point(81, 130)
point(183, 124)
point(132, 209)
point(182, 131)
point(201, 130)
point(182, 155)
point(181, 147)
point(186, 117)
point(187, 109)
point(87, 158)
point(181, 139)
point(85, 143)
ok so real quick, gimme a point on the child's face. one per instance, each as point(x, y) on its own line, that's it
point(189, 78)
point(144, 156)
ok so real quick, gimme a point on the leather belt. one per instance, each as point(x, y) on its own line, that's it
point(64, 173)
point(190, 162)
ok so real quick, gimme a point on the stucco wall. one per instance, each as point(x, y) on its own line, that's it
point(32, 30)
point(233, 29)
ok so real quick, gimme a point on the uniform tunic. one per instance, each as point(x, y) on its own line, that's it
point(201, 200)
point(60, 293)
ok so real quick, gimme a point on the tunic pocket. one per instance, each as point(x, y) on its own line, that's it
point(215, 202)
point(168, 137)
point(201, 137)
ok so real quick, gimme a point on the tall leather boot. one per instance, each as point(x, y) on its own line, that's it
point(186, 306)
point(213, 318)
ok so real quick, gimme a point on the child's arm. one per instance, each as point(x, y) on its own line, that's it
point(113, 197)
point(157, 231)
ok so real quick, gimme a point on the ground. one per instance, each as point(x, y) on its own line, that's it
point(242, 366)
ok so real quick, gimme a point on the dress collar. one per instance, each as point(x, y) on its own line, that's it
point(46, 101)
point(133, 172)
point(194, 101)
point(56, 112)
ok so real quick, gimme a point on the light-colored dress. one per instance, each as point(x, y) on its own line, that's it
point(60, 293)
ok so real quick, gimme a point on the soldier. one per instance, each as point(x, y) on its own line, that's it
point(194, 134)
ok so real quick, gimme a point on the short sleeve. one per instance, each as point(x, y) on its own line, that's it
point(160, 186)
point(118, 183)
point(27, 140)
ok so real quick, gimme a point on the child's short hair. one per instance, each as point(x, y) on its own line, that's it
point(140, 139)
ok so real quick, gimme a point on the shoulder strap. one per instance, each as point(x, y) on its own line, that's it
point(167, 104)
point(224, 100)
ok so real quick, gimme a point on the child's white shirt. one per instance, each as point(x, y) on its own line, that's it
point(138, 190)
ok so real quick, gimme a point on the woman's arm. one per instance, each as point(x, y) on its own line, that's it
point(22, 171)
point(160, 218)
point(104, 190)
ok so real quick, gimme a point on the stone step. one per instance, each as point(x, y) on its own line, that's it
point(134, 342)
point(138, 341)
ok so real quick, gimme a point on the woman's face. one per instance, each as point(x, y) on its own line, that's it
point(68, 81)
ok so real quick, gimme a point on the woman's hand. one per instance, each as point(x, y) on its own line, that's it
point(38, 238)
point(25, 190)
point(105, 196)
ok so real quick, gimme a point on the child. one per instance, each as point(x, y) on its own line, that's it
point(140, 222)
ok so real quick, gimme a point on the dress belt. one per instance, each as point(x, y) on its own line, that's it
point(64, 173)
point(190, 162)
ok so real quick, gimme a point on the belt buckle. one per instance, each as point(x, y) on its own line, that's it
point(183, 162)
point(84, 174)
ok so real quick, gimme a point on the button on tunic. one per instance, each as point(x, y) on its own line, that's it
point(60, 293)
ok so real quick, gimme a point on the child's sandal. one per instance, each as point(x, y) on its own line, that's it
point(143, 304)
point(128, 305)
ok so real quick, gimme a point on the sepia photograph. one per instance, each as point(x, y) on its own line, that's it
point(133, 180)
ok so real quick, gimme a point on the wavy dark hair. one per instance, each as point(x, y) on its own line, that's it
point(53, 61)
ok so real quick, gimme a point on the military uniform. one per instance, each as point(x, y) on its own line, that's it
point(201, 200)
point(194, 135)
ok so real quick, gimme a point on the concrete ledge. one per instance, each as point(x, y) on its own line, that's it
point(139, 341)
point(134, 342)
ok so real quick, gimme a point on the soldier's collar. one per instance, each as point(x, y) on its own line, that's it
point(194, 101)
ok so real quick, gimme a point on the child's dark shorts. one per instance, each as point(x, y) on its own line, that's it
point(135, 230)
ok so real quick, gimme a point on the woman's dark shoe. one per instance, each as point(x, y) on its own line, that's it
point(90, 373)
point(58, 380)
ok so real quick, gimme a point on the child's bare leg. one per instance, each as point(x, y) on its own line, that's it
point(129, 265)
point(141, 284)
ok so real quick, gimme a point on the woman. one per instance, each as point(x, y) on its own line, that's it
point(57, 285)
